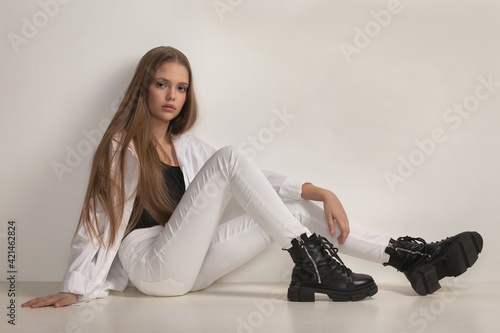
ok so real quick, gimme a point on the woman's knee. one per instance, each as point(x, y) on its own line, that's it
point(227, 152)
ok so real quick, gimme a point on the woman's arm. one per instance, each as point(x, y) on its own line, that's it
point(89, 269)
point(332, 206)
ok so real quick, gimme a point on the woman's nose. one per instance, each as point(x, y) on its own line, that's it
point(170, 94)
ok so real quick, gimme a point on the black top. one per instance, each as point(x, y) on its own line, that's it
point(174, 180)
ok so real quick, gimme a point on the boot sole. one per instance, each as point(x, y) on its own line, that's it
point(461, 255)
point(307, 293)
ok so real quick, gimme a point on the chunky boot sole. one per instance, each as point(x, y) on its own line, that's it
point(307, 293)
point(454, 261)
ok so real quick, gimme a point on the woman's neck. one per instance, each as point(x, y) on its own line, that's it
point(160, 132)
point(165, 149)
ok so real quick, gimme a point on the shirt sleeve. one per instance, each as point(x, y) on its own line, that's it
point(286, 187)
point(89, 263)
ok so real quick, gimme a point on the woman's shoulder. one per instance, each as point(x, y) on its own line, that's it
point(117, 144)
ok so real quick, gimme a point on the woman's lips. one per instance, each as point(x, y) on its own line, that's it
point(168, 107)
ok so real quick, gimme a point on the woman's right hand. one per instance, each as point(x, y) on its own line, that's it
point(57, 300)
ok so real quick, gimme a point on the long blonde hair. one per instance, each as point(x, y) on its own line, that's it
point(132, 123)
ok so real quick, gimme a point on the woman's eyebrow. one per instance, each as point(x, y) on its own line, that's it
point(163, 79)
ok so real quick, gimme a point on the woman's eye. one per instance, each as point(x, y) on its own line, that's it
point(160, 85)
point(182, 89)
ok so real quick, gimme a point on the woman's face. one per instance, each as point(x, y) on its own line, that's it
point(167, 92)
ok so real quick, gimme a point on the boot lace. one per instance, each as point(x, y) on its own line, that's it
point(332, 253)
point(415, 240)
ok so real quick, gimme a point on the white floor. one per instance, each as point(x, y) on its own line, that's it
point(248, 308)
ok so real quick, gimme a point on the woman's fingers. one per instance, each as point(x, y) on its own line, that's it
point(44, 301)
point(331, 225)
point(58, 300)
point(344, 231)
point(33, 302)
point(335, 213)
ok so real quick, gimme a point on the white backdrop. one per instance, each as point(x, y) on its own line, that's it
point(392, 105)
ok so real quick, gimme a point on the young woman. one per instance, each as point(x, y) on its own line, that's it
point(156, 196)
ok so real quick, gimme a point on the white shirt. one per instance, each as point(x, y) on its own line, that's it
point(92, 271)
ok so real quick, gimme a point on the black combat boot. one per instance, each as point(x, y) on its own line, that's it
point(318, 269)
point(425, 264)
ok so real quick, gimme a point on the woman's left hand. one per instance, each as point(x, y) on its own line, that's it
point(334, 210)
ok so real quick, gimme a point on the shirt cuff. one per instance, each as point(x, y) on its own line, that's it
point(292, 188)
point(74, 283)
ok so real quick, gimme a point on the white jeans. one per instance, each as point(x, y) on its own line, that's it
point(193, 250)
